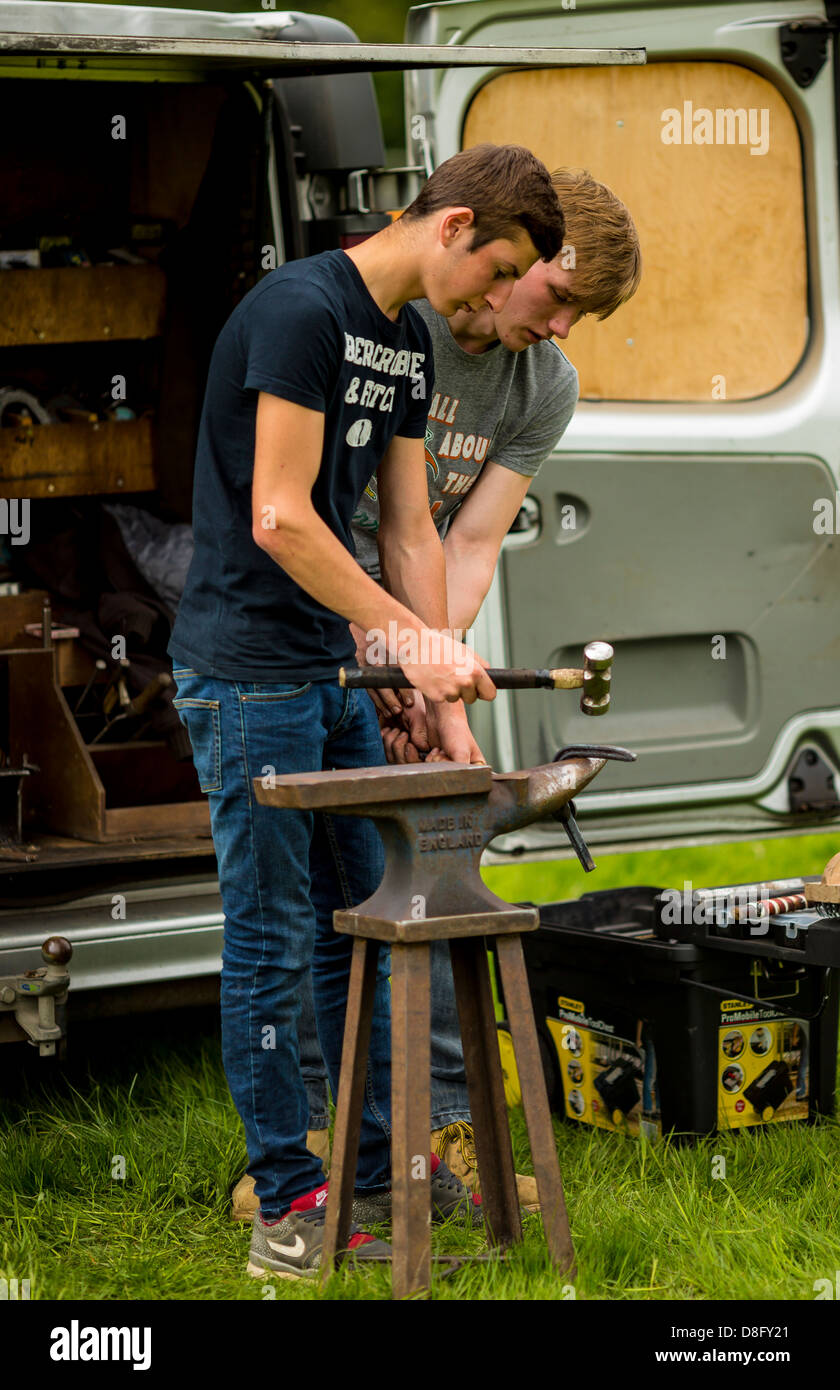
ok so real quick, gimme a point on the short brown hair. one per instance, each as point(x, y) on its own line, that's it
point(607, 255)
point(508, 189)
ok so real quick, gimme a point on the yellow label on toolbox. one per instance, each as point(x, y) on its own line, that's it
point(574, 1004)
point(510, 1072)
point(728, 1004)
point(588, 1055)
point(762, 1069)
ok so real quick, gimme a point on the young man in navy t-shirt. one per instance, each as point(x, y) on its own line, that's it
point(321, 377)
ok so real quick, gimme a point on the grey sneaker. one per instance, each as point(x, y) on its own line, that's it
point(370, 1208)
point(292, 1248)
point(449, 1198)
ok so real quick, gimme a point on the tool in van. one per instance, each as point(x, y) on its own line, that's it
point(594, 678)
point(148, 694)
point(112, 693)
point(133, 708)
point(115, 689)
point(46, 629)
point(98, 667)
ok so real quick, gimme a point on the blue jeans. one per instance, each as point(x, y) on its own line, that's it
point(450, 1099)
point(282, 874)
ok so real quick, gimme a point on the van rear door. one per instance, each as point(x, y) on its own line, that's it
point(690, 515)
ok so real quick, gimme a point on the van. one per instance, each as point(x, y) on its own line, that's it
point(162, 161)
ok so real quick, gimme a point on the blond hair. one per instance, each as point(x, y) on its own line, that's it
point(607, 255)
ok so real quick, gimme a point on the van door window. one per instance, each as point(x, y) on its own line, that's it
point(702, 154)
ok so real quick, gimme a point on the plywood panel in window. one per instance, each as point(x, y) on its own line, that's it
point(722, 307)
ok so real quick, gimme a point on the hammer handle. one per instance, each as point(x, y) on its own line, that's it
point(150, 692)
point(504, 678)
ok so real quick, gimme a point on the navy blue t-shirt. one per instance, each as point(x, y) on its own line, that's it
point(311, 333)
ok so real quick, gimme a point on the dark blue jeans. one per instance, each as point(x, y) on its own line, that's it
point(282, 874)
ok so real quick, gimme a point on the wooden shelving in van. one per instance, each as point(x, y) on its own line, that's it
point(63, 179)
point(81, 304)
point(100, 793)
point(75, 460)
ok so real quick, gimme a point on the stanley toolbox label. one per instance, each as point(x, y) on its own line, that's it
point(608, 1081)
point(762, 1067)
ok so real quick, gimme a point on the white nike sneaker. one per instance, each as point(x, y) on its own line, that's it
point(291, 1248)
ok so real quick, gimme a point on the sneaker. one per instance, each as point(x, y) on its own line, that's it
point(455, 1144)
point(450, 1197)
point(291, 1248)
point(448, 1194)
point(245, 1201)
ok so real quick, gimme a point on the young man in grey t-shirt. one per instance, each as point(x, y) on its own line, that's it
point(491, 408)
point(496, 414)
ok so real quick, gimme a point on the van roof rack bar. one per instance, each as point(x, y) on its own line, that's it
point(271, 55)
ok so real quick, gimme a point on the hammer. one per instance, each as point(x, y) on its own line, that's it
point(137, 706)
point(824, 897)
point(594, 678)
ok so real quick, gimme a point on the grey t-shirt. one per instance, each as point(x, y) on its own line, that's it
point(508, 408)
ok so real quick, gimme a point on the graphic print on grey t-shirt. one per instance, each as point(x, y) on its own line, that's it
point(504, 407)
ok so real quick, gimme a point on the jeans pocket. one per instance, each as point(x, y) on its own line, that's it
point(264, 692)
point(203, 724)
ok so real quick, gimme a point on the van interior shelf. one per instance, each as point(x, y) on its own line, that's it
point(75, 304)
point(77, 459)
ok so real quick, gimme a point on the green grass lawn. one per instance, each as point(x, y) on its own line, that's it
point(650, 1221)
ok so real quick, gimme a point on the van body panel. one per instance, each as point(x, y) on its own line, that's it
point(144, 936)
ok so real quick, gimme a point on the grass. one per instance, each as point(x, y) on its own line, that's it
point(649, 1220)
point(751, 860)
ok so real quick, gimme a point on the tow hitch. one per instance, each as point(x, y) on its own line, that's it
point(36, 997)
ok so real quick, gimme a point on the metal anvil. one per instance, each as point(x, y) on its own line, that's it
point(435, 820)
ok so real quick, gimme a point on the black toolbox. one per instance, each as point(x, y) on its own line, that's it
point(639, 1030)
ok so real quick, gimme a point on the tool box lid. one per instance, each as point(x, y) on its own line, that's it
point(615, 922)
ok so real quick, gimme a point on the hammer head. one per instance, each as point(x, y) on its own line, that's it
point(597, 673)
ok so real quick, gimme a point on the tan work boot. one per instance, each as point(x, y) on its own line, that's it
point(245, 1201)
point(455, 1144)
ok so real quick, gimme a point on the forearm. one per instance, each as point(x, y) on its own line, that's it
point(414, 570)
point(414, 573)
point(469, 574)
point(316, 560)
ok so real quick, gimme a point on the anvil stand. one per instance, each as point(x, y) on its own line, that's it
point(435, 820)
